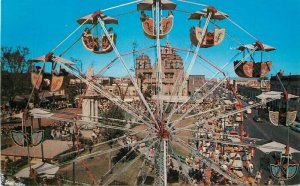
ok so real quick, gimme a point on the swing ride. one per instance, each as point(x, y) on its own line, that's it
point(167, 125)
point(210, 38)
point(52, 81)
point(148, 23)
point(252, 69)
point(92, 40)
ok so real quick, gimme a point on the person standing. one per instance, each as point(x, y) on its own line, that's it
point(250, 168)
point(258, 177)
point(270, 181)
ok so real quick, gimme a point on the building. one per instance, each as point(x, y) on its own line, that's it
point(90, 101)
point(251, 87)
point(172, 67)
point(195, 82)
point(292, 85)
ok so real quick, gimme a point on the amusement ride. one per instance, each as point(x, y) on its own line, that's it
point(163, 133)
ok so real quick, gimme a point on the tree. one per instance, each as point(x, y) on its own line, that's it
point(14, 61)
point(121, 92)
point(116, 113)
point(142, 78)
point(148, 92)
point(15, 77)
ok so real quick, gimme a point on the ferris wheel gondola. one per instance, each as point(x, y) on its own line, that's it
point(285, 167)
point(93, 41)
point(210, 38)
point(148, 23)
point(284, 116)
point(252, 69)
point(52, 81)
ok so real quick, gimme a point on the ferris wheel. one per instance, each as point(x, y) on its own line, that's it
point(162, 131)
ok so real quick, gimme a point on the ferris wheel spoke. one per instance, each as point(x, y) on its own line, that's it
point(198, 114)
point(196, 93)
point(181, 73)
point(128, 72)
point(197, 102)
point(178, 77)
point(141, 169)
point(225, 142)
point(182, 166)
point(105, 142)
point(143, 164)
point(223, 115)
point(191, 64)
point(133, 148)
point(111, 119)
point(94, 154)
point(159, 83)
point(106, 67)
point(209, 162)
point(116, 174)
point(115, 99)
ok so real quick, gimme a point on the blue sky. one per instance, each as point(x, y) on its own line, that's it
point(41, 25)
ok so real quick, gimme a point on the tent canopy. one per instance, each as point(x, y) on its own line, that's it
point(274, 95)
point(39, 113)
point(275, 147)
point(42, 169)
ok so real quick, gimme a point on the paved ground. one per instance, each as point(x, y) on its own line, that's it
point(265, 130)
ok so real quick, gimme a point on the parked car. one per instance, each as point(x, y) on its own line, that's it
point(249, 111)
point(228, 129)
point(295, 127)
point(235, 132)
point(237, 163)
point(257, 119)
point(238, 117)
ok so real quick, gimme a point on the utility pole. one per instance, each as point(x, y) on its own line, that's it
point(42, 147)
point(134, 54)
point(78, 62)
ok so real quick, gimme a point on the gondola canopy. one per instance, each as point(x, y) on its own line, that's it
point(218, 15)
point(265, 48)
point(147, 5)
point(50, 57)
point(210, 38)
point(97, 42)
point(90, 19)
point(252, 69)
point(53, 81)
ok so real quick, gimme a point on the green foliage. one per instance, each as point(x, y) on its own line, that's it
point(148, 92)
point(13, 61)
point(116, 113)
point(15, 77)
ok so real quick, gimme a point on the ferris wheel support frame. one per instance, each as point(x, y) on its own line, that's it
point(159, 84)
